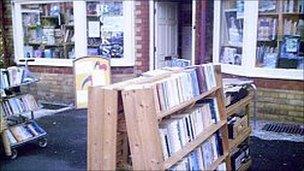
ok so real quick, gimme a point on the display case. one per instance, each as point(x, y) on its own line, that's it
point(56, 32)
point(260, 38)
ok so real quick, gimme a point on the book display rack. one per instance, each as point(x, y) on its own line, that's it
point(174, 119)
point(238, 98)
point(17, 128)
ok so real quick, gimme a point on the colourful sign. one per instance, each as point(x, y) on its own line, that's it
point(90, 71)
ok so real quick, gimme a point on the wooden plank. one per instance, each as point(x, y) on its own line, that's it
point(238, 140)
point(186, 104)
point(142, 128)
point(102, 128)
point(190, 146)
point(240, 104)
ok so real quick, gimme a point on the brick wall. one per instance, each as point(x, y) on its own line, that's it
point(57, 84)
point(281, 100)
point(141, 36)
point(8, 32)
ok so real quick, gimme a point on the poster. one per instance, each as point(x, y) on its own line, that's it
point(112, 30)
point(90, 71)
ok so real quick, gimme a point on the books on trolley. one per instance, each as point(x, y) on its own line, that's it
point(13, 76)
point(18, 105)
point(23, 132)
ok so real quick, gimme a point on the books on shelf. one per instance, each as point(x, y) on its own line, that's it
point(180, 129)
point(231, 55)
point(23, 132)
point(292, 27)
point(267, 28)
point(185, 85)
point(19, 105)
point(290, 6)
point(267, 5)
point(267, 56)
point(203, 156)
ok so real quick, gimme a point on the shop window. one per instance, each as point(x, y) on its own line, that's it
point(280, 34)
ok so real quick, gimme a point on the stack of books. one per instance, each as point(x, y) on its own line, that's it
point(202, 157)
point(184, 86)
point(19, 105)
point(183, 128)
point(23, 132)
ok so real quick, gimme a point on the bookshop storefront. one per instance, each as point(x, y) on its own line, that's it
point(135, 35)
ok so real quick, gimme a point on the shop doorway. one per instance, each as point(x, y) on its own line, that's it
point(172, 32)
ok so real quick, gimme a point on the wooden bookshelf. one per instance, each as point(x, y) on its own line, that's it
point(120, 118)
point(142, 119)
point(246, 130)
point(234, 143)
point(241, 104)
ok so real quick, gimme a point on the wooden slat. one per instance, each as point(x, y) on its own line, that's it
point(102, 128)
point(190, 146)
point(142, 128)
point(186, 103)
point(218, 162)
point(238, 140)
point(241, 104)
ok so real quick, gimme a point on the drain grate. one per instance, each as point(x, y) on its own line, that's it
point(286, 128)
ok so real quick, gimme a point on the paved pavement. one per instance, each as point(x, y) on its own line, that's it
point(66, 148)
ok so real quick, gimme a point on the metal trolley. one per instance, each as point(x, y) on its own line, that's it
point(18, 119)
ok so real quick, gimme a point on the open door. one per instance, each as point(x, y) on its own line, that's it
point(166, 31)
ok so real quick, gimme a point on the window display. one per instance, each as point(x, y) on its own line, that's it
point(48, 30)
point(260, 38)
point(105, 28)
point(232, 30)
point(280, 34)
point(55, 34)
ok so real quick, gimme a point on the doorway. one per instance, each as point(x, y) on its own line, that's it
point(172, 30)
